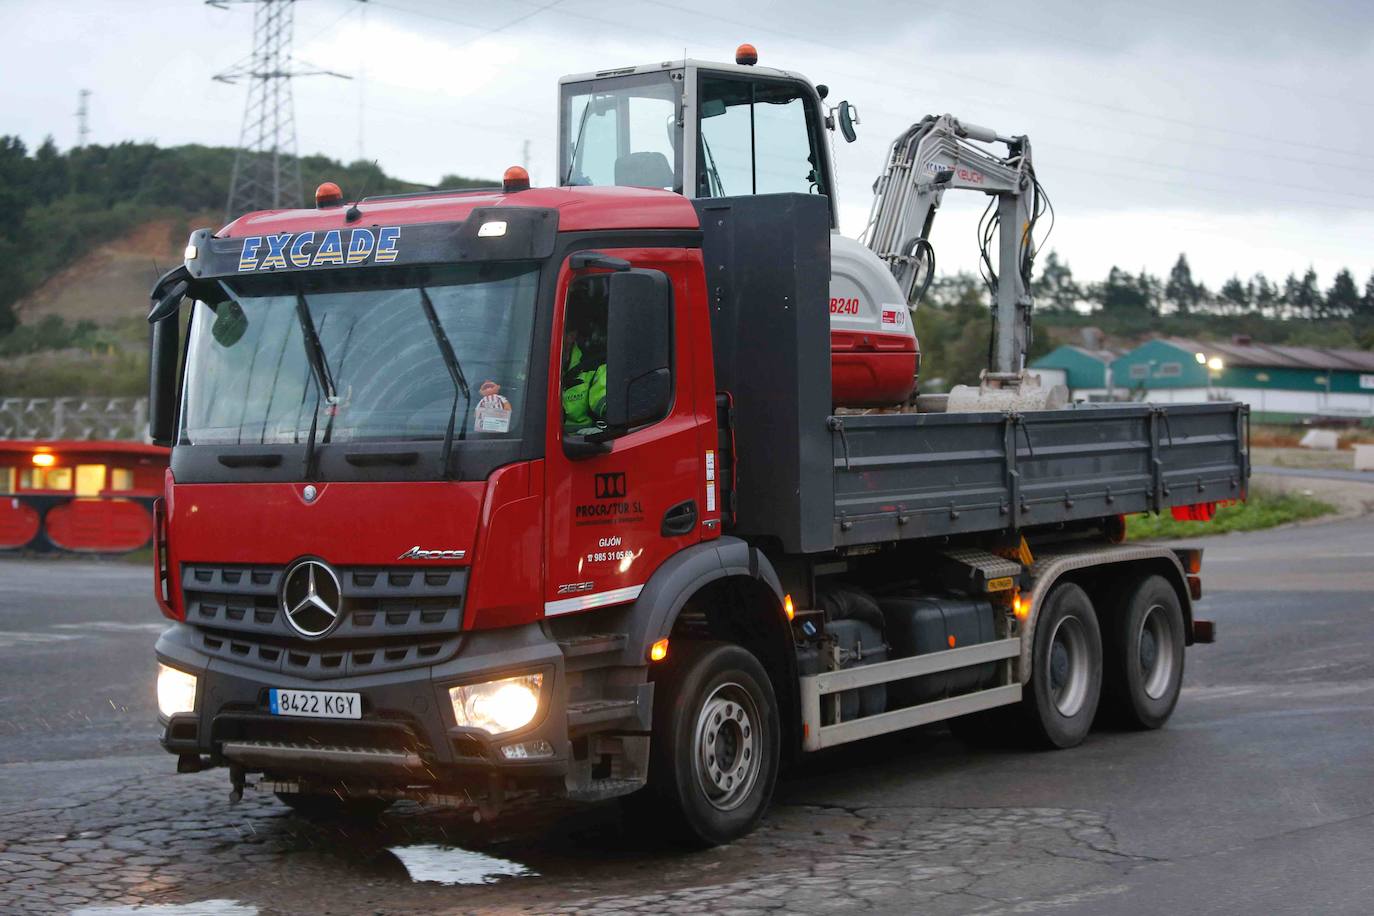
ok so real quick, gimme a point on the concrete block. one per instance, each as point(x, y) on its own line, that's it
point(1364, 457)
point(1325, 439)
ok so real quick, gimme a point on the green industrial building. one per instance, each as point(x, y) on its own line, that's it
point(1086, 373)
point(1280, 383)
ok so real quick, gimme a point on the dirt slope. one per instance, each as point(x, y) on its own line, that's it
point(112, 281)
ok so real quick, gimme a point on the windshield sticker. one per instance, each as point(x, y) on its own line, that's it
point(278, 252)
point(493, 411)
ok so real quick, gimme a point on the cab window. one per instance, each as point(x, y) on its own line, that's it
point(757, 137)
point(622, 131)
point(583, 383)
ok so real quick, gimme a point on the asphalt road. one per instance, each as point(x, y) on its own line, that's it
point(1320, 473)
point(1258, 797)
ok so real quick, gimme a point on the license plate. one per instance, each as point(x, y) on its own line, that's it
point(318, 704)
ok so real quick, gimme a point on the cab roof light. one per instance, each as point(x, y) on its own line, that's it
point(44, 459)
point(746, 55)
point(328, 194)
point(515, 179)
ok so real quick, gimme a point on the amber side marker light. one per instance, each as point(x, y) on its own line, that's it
point(788, 608)
point(659, 650)
point(44, 459)
point(1020, 607)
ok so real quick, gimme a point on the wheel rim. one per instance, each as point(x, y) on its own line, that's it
point(1157, 652)
point(1068, 666)
point(727, 743)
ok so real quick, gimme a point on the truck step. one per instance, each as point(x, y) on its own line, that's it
point(582, 713)
point(603, 789)
point(592, 644)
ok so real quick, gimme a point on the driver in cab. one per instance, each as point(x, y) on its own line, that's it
point(584, 365)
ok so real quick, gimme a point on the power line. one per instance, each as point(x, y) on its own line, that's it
point(1001, 84)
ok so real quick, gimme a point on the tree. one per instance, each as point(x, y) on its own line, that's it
point(1184, 294)
point(1343, 298)
point(1055, 287)
point(1267, 297)
point(1366, 309)
point(1236, 295)
point(1303, 298)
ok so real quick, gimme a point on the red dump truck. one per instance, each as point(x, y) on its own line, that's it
point(484, 496)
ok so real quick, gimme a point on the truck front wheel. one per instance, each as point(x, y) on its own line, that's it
point(1066, 669)
point(716, 740)
point(1144, 643)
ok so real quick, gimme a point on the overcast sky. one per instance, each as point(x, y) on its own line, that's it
point(1239, 132)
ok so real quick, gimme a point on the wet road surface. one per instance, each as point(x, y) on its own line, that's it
point(1257, 797)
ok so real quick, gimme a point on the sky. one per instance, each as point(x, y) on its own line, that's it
point(1235, 130)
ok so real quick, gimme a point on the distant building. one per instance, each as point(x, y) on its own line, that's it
point(79, 496)
point(1280, 383)
point(1086, 373)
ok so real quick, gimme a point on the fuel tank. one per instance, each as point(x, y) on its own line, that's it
point(874, 355)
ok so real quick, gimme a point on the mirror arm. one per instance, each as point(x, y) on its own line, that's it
point(584, 260)
point(577, 446)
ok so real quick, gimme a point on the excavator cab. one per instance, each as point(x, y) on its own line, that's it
point(711, 130)
point(700, 129)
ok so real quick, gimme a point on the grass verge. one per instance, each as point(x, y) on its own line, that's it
point(1263, 510)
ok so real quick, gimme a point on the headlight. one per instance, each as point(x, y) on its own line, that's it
point(497, 707)
point(176, 691)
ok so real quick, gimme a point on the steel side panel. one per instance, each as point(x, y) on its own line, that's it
point(915, 666)
point(819, 737)
point(907, 476)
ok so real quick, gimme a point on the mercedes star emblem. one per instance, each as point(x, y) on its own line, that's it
point(311, 598)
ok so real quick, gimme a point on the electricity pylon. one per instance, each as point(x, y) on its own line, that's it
point(267, 171)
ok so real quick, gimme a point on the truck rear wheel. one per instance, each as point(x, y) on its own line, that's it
point(716, 741)
point(1144, 652)
point(332, 807)
point(1066, 669)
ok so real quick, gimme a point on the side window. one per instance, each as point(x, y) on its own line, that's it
point(583, 355)
point(622, 131)
point(756, 139)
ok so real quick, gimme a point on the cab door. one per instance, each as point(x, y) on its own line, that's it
point(618, 508)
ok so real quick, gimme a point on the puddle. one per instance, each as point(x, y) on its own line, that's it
point(450, 865)
point(203, 908)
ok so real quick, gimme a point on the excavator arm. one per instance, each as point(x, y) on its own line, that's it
point(938, 154)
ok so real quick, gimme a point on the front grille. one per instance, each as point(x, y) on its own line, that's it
point(376, 602)
point(390, 619)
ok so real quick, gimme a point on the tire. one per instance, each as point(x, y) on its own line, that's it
point(334, 808)
point(1066, 670)
point(1144, 655)
point(716, 741)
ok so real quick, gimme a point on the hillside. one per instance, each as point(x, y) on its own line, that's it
point(84, 233)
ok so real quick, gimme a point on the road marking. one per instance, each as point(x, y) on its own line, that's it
point(112, 626)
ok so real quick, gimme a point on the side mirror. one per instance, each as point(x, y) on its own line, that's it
point(162, 380)
point(639, 349)
point(849, 116)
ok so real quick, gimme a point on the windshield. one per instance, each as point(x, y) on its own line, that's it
point(622, 131)
point(383, 337)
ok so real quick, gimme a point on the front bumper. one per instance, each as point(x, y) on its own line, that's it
point(407, 734)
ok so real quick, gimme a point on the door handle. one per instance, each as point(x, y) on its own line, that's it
point(680, 519)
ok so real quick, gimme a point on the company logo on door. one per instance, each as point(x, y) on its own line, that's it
point(610, 486)
point(611, 505)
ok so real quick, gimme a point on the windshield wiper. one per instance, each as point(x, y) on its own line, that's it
point(455, 371)
point(324, 382)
